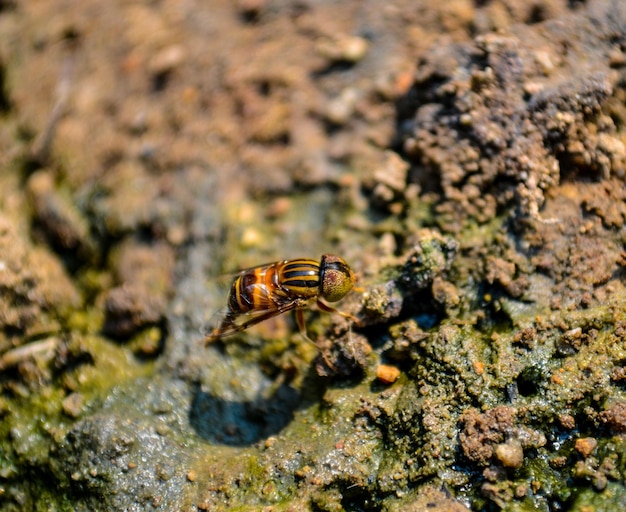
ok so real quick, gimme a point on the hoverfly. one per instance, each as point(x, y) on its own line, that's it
point(262, 292)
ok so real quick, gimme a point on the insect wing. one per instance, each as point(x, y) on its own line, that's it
point(251, 270)
point(227, 278)
point(217, 323)
point(225, 282)
point(226, 324)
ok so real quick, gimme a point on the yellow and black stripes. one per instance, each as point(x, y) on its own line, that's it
point(239, 298)
point(251, 290)
point(300, 278)
point(269, 286)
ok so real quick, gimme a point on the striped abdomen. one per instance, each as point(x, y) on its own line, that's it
point(271, 286)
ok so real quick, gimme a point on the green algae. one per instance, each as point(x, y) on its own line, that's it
point(34, 425)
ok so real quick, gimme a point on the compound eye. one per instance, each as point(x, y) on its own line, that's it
point(337, 278)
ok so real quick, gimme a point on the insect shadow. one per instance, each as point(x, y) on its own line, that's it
point(234, 422)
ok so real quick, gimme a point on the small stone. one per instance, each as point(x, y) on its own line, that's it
point(343, 48)
point(73, 405)
point(387, 374)
point(167, 59)
point(510, 454)
point(567, 421)
point(340, 109)
point(585, 445)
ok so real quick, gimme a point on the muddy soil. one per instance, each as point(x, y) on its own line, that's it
point(468, 159)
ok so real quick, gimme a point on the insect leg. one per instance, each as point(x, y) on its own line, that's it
point(330, 309)
point(229, 326)
point(302, 326)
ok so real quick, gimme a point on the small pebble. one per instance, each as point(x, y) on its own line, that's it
point(585, 445)
point(510, 454)
point(343, 48)
point(387, 374)
point(73, 405)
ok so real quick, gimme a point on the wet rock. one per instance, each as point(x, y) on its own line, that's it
point(144, 467)
point(491, 130)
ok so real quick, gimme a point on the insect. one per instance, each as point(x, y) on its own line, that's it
point(262, 292)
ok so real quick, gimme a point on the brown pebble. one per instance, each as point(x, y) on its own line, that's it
point(585, 445)
point(192, 475)
point(167, 59)
point(387, 374)
point(279, 207)
point(558, 462)
point(73, 405)
point(567, 421)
